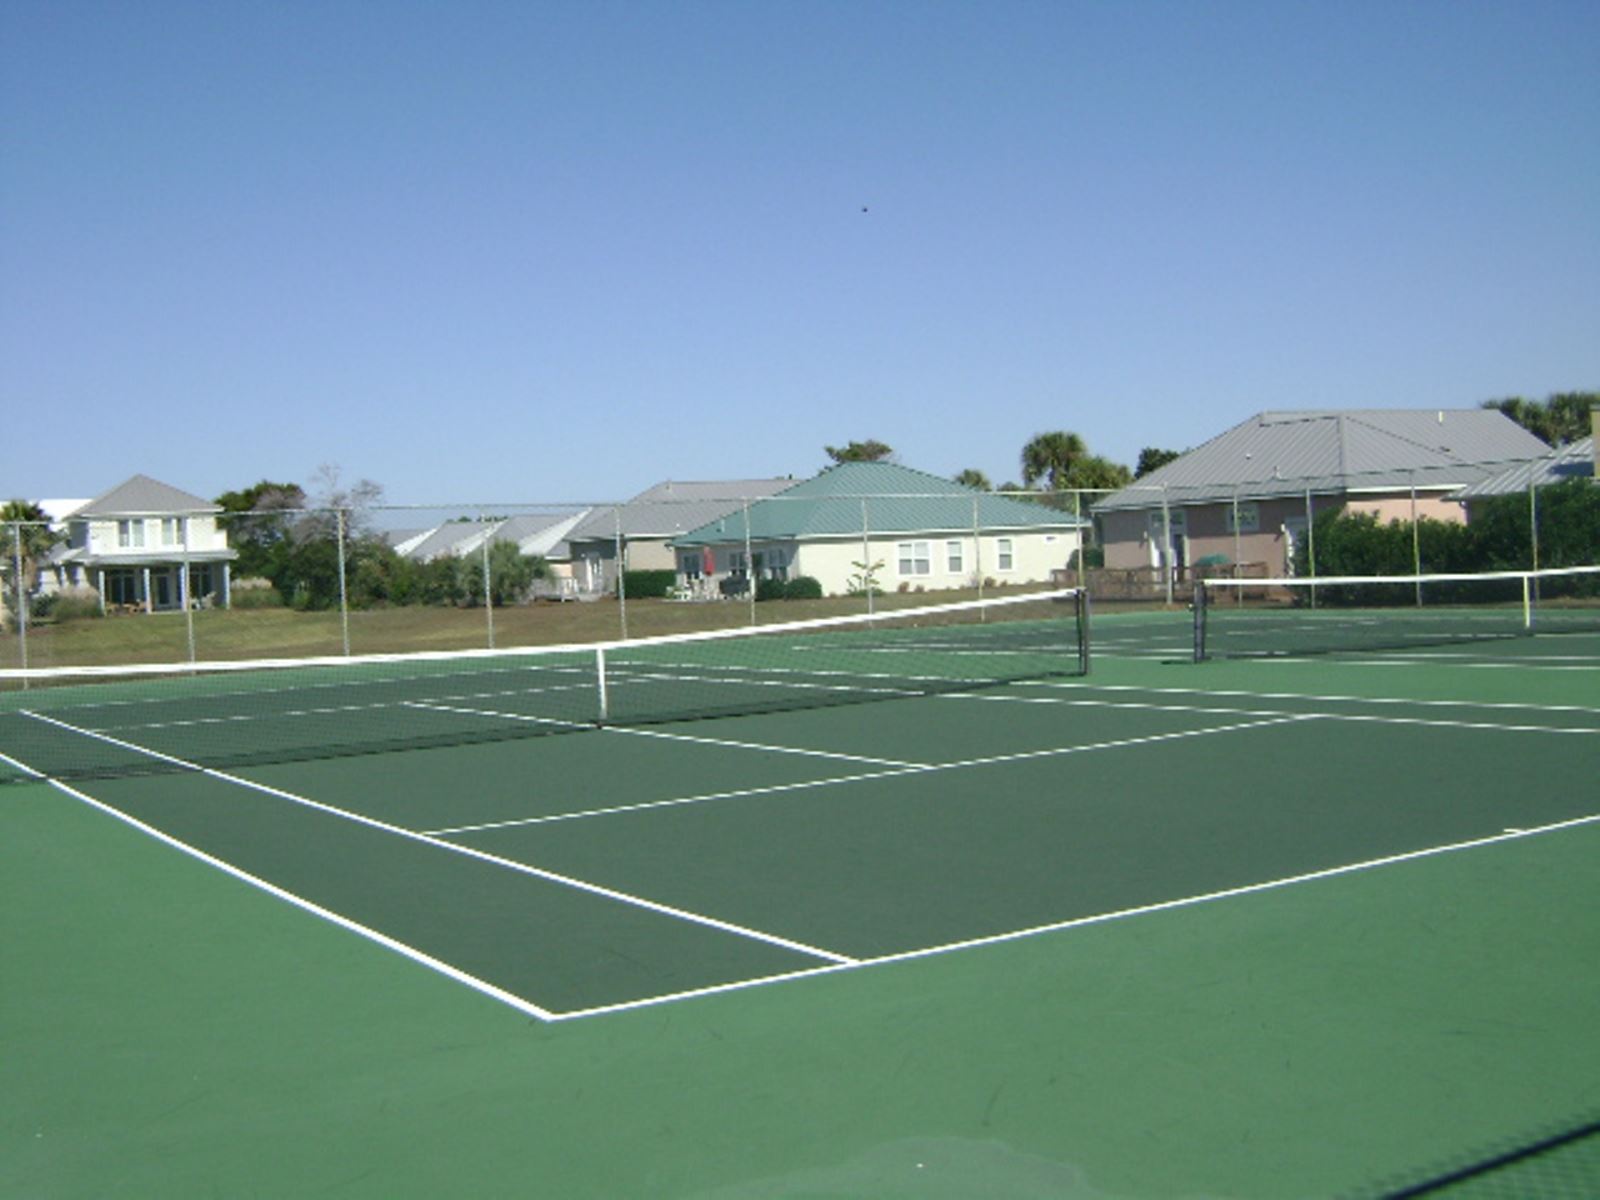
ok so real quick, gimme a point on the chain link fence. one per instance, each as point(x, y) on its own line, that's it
point(299, 582)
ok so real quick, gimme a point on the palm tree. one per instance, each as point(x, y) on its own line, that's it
point(25, 532)
point(1049, 456)
point(975, 479)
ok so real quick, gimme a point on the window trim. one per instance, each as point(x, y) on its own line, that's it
point(917, 556)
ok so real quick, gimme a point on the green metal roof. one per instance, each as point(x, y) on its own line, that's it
point(883, 497)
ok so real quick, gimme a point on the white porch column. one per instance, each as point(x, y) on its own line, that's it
point(100, 586)
point(227, 584)
point(144, 579)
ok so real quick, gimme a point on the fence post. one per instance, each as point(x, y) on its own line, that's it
point(977, 547)
point(185, 593)
point(1237, 538)
point(1311, 546)
point(344, 593)
point(21, 598)
point(749, 562)
point(1168, 558)
point(1416, 540)
point(488, 591)
point(622, 587)
point(866, 555)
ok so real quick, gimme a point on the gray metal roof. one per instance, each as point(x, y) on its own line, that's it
point(883, 497)
point(533, 533)
point(1346, 450)
point(672, 508)
point(1575, 460)
point(142, 496)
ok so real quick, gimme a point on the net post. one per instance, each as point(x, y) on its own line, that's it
point(1199, 607)
point(1077, 520)
point(1527, 603)
point(1081, 606)
point(603, 707)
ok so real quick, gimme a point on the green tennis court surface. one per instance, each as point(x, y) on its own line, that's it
point(1270, 928)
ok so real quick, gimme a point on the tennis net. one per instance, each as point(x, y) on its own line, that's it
point(85, 722)
point(1240, 618)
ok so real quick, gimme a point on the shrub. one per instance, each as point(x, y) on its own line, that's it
point(770, 589)
point(802, 587)
point(254, 593)
point(646, 585)
point(76, 603)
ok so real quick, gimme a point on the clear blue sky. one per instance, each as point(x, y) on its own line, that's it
point(538, 251)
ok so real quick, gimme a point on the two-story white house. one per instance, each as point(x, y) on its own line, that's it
point(145, 546)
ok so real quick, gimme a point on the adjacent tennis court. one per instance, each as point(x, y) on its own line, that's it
point(943, 913)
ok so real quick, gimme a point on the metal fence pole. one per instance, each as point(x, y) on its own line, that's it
point(344, 594)
point(1533, 522)
point(1416, 541)
point(21, 598)
point(185, 591)
point(622, 587)
point(866, 555)
point(1168, 564)
point(749, 563)
point(488, 591)
point(1238, 567)
point(1311, 546)
point(977, 547)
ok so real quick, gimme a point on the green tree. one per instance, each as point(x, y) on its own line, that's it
point(24, 527)
point(306, 569)
point(975, 479)
point(1049, 456)
point(511, 573)
point(1150, 459)
point(1558, 419)
point(258, 521)
point(1095, 473)
point(867, 451)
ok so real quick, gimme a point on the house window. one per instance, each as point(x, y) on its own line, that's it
point(122, 587)
point(130, 535)
point(171, 531)
point(690, 565)
point(953, 559)
point(777, 564)
point(736, 565)
point(915, 559)
point(1002, 549)
point(1249, 517)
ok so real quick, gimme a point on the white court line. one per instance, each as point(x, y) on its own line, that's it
point(365, 931)
point(1083, 922)
point(1372, 718)
point(759, 747)
point(816, 784)
point(457, 848)
point(630, 731)
point(1323, 698)
point(1392, 660)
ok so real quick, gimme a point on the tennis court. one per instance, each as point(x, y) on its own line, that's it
point(965, 924)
